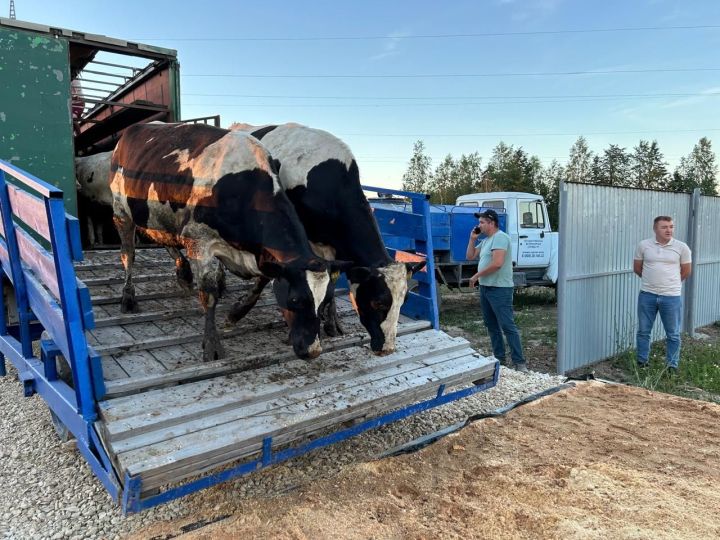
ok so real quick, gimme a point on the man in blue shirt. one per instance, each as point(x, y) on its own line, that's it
point(495, 275)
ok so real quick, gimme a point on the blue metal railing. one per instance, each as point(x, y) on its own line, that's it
point(417, 226)
point(51, 303)
point(50, 300)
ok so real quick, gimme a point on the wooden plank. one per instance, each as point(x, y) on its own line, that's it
point(230, 365)
point(197, 467)
point(181, 450)
point(219, 406)
point(164, 291)
point(154, 406)
point(38, 260)
point(112, 370)
point(30, 209)
point(140, 364)
point(139, 278)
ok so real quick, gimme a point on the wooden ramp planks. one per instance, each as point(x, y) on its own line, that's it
point(163, 434)
point(168, 415)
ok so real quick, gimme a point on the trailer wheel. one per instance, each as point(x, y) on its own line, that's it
point(63, 433)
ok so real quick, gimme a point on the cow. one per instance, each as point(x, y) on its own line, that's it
point(320, 176)
point(215, 193)
point(92, 173)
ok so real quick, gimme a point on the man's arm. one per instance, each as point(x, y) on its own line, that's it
point(637, 266)
point(685, 271)
point(498, 258)
point(472, 252)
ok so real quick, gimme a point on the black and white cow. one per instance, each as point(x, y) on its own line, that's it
point(94, 195)
point(321, 178)
point(216, 194)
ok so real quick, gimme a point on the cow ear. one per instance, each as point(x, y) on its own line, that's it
point(359, 274)
point(414, 267)
point(271, 269)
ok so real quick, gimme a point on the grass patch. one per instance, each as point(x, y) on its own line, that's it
point(698, 374)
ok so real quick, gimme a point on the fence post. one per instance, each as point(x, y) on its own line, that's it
point(562, 282)
point(691, 283)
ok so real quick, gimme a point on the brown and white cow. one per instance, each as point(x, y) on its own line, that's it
point(216, 194)
point(321, 178)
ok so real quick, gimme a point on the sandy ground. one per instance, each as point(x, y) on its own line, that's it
point(596, 461)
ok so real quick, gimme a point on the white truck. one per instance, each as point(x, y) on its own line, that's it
point(534, 244)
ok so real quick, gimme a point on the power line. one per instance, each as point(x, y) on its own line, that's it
point(454, 75)
point(546, 134)
point(419, 98)
point(442, 36)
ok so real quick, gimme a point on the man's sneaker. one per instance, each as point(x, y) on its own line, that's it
point(522, 368)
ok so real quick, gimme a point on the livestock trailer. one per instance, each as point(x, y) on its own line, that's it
point(65, 93)
point(155, 422)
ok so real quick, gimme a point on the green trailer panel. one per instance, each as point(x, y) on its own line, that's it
point(35, 122)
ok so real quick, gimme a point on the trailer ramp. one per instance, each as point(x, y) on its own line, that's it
point(168, 416)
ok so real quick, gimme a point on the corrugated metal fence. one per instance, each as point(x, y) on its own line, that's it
point(600, 226)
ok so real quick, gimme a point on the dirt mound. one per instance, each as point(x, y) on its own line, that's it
point(597, 461)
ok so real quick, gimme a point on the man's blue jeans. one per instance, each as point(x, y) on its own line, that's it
point(670, 308)
point(497, 309)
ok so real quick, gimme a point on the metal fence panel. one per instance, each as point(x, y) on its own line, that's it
point(600, 226)
point(706, 271)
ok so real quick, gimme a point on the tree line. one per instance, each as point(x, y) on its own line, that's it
point(511, 168)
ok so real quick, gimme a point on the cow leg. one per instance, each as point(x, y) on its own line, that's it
point(126, 230)
point(183, 272)
point(90, 230)
point(241, 308)
point(330, 319)
point(211, 284)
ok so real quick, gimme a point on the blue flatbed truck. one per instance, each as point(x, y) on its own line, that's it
point(534, 244)
point(153, 421)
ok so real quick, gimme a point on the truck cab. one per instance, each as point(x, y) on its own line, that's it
point(534, 244)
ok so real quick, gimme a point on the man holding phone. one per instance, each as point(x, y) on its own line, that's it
point(495, 276)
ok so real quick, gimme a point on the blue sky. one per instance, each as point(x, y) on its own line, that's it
point(380, 116)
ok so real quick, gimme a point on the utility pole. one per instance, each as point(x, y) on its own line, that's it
point(12, 9)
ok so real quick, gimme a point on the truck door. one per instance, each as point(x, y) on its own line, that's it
point(534, 242)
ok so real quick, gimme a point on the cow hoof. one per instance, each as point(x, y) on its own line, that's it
point(213, 350)
point(128, 304)
point(333, 330)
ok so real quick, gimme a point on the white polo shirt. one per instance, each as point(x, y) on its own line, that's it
point(661, 265)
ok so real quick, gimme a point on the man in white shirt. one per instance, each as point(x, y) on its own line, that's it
point(663, 263)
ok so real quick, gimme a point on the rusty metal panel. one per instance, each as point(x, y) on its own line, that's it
point(600, 227)
point(35, 123)
point(706, 271)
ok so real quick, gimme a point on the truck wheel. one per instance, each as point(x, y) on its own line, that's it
point(61, 429)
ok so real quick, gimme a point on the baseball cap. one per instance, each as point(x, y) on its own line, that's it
point(488, 214)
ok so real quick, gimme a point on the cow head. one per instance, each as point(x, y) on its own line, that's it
point(379, 293)
point(299, 289)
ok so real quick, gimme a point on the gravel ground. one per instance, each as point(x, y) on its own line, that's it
point(49, 492)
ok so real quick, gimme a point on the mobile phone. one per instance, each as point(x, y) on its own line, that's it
point(477, 230)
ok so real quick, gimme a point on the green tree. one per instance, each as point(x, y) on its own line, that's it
point(418, 176)
point(549, 188)
point(511, 169)
point(444, 182)
point(615, 167)
point(699, 169)
point(579, 168)
point(649, 170)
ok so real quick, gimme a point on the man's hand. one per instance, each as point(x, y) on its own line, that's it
point(474, 279)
